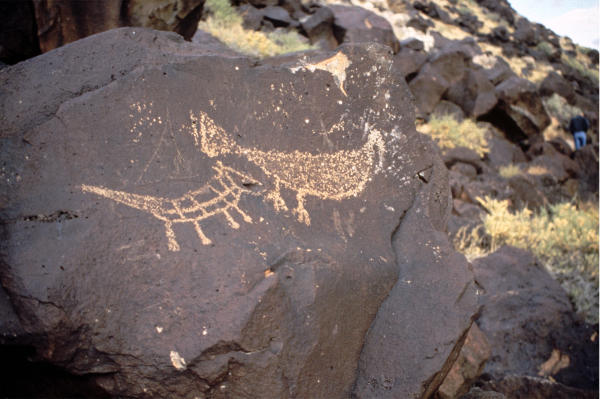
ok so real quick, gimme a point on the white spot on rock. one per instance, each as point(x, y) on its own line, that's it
point(159, 329)
point(177, 361)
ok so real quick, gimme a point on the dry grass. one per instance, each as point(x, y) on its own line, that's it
point(538, 69)
point(564, 237)
point(449, 133)
point(226, 25)
point(509, 171)
point(537, 170)
point(579, 65)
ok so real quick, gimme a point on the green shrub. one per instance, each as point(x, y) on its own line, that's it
point(226, 25)
point(545, 47)
point(559, 108)
point(564, 237)
point(583, 70)
point(450, 133)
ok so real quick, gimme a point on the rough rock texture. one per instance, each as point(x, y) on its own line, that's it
point(181, 222)
point(428, 87)
point(521, 102)
point(530, 324)
point(468, 367)
point(429, 269)
point(63, 21)
point(554, 83)
point(474, 93)
point(526, 387)
point(358, 25)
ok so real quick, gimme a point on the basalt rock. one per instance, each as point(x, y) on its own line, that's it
point(532, 329)
point(18, 32)
point(474, 93)
point(519, 111)
point(60, 22)
point(182, 222)
point(358, 25)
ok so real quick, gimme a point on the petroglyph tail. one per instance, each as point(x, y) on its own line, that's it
point(334, 176)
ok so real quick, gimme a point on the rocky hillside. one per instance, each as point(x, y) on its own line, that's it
point(340, 199)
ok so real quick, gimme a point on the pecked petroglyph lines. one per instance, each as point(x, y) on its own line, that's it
point(219, 196)
point(335, 176)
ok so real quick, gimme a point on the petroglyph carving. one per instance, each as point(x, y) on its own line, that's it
point(219, 196)
point(335, 176)
point(335, 65)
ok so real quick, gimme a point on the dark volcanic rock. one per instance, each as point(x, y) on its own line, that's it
point(427, 88)
point(474, 93)
point(526, 32)
point(468, 367)
point(409, 61)
point(500, 33)
point(501, 7)
point(554, 83)
point(358, 25)
point(502, 152)
point(180, 222)
point(530, 324)
point(527, 387)
point(520, 101)
point(18, 32)
point(319, 27)
point(433, 353)
point(63, 21)
point(499, 71)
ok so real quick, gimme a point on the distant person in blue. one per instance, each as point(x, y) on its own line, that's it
point(578, 126)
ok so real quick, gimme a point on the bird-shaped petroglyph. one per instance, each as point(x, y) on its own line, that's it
point(335, 176)
point(218, 196)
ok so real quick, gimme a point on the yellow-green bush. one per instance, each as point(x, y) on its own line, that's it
point(574, 63)
point(564, 237)
point(226, 25)
point(450, 133)
point(510, 170)
point(559, 108)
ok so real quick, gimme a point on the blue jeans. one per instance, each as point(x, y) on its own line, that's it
point(579, 138)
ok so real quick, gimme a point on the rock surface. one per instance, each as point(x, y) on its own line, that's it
point(181, 222)
point(532, 329)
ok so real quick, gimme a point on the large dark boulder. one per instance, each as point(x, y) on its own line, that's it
point(409, 61)
point(554, 83)
point(445, 68)
point(519, 110)
point(474, 93)
point(501, 7)
point(427, 88)
point(184, 222)
point(358, 25)
point(531, 327)
point(63, 21)
point(526, 33)
point(418, 354)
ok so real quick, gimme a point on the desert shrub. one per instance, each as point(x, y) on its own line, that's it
point(564, 237)
point(545, 47)
point(226, 25)
point(559, 108)
point(583, 70)
point(450, 133)
point(510, 170)
point(538, 170)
